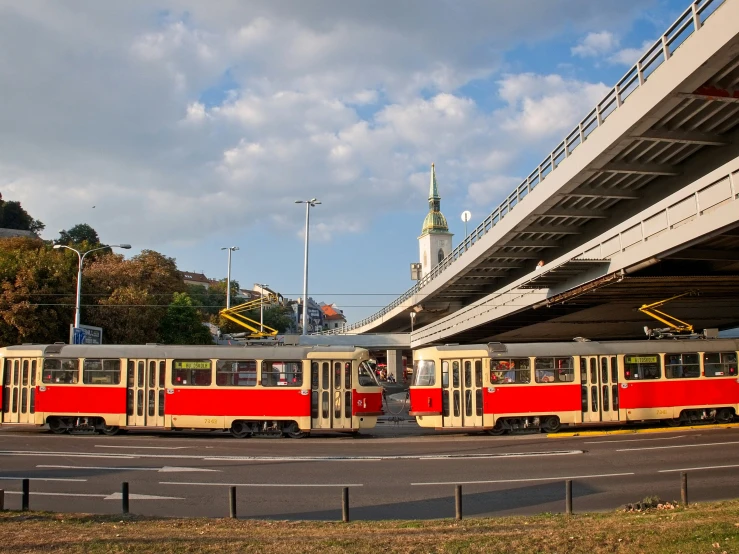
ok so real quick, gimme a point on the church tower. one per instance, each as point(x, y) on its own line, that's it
point(435, 242)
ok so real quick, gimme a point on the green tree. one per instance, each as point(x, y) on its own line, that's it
point(78, 234)
point(13, 216)
point(182, 324)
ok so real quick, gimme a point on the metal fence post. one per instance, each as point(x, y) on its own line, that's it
point(684, 488)
point(345, 505)
point(2, 500)
point(568, 497)
point(458, 501)
point(232, 502)
point(26, 494)
point(124, 497)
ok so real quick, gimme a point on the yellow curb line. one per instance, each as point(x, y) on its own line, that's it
point(635, 431)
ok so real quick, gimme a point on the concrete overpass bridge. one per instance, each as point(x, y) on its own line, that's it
point(640, 201)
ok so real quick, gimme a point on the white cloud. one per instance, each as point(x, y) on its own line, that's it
point(596, 44)
point(629, 56)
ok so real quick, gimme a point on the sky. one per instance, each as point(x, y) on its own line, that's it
point(188, 126)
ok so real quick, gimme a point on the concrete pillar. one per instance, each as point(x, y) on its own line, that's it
point(395, 364)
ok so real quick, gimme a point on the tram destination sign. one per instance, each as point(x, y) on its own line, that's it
point(85, 334)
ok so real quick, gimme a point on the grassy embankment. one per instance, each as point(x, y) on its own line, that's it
point(704, 528)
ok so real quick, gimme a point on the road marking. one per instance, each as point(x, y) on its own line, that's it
point(584, 433)
point(493, 456)
point(114, 496)
point(142, 447)
point(262, 484)
point(41, 479)
point(676, 446)
point(637, 440)
point(696, 468)
point(165, 469)
point(530, 480)
point(67, 454)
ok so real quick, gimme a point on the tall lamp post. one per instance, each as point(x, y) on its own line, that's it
point(312, 203)
point(81, 257)
point(261, 306)
point(228, 274)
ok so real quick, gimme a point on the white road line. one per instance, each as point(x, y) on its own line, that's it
point(165, 469)
point(59, 494)
point(676, 446)
point(637, 440)
point(262, 484)
point(498, 456)
point(143, 447)
point(696, 468)
point(114, 496)
point(41, 479)
point(68, 455)
point(526, 480)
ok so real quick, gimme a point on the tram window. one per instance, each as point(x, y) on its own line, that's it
point(468, 374)
point(314, 378)
point(605, 398)
point(347, 404)
point(152, 375)
point(614, 396)
point(15, 372)
point(286, 373)
point(456, 403)
point(455, 374)
point(101, 372)
point(424, 373)
point(682, 366)
point(367, 377)
point(468, 403)
point(478, 374)
point(614, 371)
point(236, 373)
point(33, 373)
point(191, 373)
point(646, 366)
point(513, 370)
point(719, 364)
point(348, 375)
point(25, 373)
point(6, 400)
point(140, 374)
point(554, 370)
point(604, 373)
point(161, 402)
point(337, 404)
point(337, 378)
point(129, 402)
point(6, 376)
point(445, 375)
point(478, 402)
point(162, 372)
point(324, 376)
point(57, 370)
point(583, 370)
point(131, 369)
point(593, 370)
point(584, 399)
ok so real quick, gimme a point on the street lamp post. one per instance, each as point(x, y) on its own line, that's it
point(81, 257)
point(261, 307)
point(413, 320)
point(228, 274)
point(308, 204)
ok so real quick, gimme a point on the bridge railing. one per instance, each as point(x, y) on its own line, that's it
point(689, 22)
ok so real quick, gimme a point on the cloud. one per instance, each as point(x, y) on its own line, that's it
point(595, 44)
point(629, 56)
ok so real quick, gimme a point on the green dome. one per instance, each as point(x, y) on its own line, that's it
point(434, 222)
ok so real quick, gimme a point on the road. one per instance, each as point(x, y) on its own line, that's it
point(396, 472)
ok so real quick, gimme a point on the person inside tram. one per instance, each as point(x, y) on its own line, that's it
point(544, 376)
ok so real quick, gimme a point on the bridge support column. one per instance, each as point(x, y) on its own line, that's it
point(395, 365)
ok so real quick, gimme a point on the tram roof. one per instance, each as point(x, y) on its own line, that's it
point(176, 351)
point(592, 348)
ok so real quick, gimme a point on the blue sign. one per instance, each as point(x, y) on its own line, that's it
point(79, 336)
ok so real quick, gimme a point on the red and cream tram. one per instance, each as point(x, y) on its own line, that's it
point(258, 390)
point(501, 387)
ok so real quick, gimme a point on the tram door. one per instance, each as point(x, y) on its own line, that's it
point(146, 393)
point(19, 390)
point(461, 393)
point(599, 379)
point(331, 394)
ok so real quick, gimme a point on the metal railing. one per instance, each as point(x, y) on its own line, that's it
point(690, 21)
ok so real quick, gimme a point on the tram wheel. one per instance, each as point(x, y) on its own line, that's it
point(677, 422)
point(497, 430)
point(551, 424)
point(293, 431)
point(724, 415)
point(56, 426)
point(240, 430)
point(110, 430)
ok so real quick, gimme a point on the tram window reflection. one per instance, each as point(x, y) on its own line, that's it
point(57, 370)
point(236, 373)
point(424, 373)
point(554, 370)
point(720, 364)
point(510, 371)
point(101, 372)
point(282, 373)
point(642, 366)
point(682, 366)
point(366, 377)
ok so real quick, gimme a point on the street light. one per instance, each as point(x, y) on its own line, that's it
point(308, 204)
point(262, 286)
point(81, 256)
point(413, 319)
point(228, 275)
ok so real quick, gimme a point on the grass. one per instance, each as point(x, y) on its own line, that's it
point(704, 528)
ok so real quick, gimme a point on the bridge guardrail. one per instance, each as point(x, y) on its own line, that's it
point(689, 22)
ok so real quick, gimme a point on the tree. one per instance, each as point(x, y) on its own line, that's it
point(13, 216)
point(78, 234)
point(182, 323)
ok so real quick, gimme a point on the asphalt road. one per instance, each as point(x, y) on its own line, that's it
point(396, 471)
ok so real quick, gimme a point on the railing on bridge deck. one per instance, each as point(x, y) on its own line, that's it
point(690, 21)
